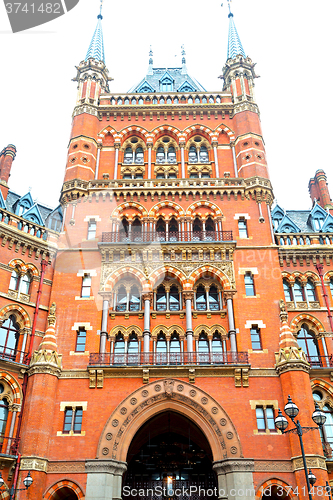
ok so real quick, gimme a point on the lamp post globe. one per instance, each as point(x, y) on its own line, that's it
point(281, 422)
point(28, 480)
point(2, 482)
point(312, 477)
point(318, 416)
point(291, 410)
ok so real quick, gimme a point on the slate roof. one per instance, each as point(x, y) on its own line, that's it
point(13, 198)
point(177, 74)
point(301, 218)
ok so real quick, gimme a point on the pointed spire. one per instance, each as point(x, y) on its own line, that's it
point(96, 47)
point(150, 67)
point(235, 47)
point(184, 68)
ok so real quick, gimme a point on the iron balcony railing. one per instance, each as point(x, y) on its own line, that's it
point(13, 355)
point(162, 236)
point(8, 445)
point(168, 359)
point(320, 361)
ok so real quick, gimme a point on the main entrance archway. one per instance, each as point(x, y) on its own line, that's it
point(169, 455)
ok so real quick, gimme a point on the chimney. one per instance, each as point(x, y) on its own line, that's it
point(7, 156)
point(318, 189)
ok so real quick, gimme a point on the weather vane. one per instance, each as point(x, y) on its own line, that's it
point(228, 2)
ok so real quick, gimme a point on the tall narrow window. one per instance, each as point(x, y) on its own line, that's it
point(331, 286)
point(311, 291)
point(77, 424)
point(25, 284)
point(214, 303)
point(14, 280)
point(288, 295)
point(204, 154)
point(119, 349)
point(201, 299)
point(161, 302)
point(3, 420)
point(86, 286)
point(242, 228)
point(9, 336)
point(193, 155)
point(308, 342)
point(265, 418)
point(174, 304)
point(81, 339)
point(135, 302)
point(255, 338)
point(203, 349)
point(72, 420)
point(249, 285)
point(139, 155)
point(298, 291)
point(68, 420)
point(128, 156)
point(91, 230)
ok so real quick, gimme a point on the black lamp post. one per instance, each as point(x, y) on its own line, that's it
point(313, 479)
point(27, 481)
point(281, 423)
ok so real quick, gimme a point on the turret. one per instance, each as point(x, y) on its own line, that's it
point(7, 156)
point(319, 192)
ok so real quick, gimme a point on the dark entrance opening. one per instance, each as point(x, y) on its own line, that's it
point(64, 494)
point(168, 456)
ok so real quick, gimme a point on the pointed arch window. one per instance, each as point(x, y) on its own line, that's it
point(214, 303)
point(288, 294)
point(121, 304)
point(160, 155)
point(139, 155)
point(132, 349)
point(203, 155)
point(173, 230)
point(193, 155)
point(161, 349)
point(161, 299)
point(174, 343)
point(203, 349)
point(123, 230)
point(3, 418)
point(119, 345)
point(137, 230)
point(311, 291)
point(174, 303)
point(9, 337)
point(135, 300)
point(171, 155)
point(197, 229)
point(307, 341)
point(14, 280)
point(160, 229)
point(201, 299)
point(128, 156)
point(210, 229)
point(25, 283)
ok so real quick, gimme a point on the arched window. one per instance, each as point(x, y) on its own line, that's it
point(203, 349)
point(203, 155)
point(128, 156)
point(217, 349)
point(9, 337)
point(174, 349)
point(192, 155)
point(121, 304)
point(119, 349)
point(171, 155)
point(3, 419)
point(136, 230)
point(161, 349)
point(174, 303)
point(214, 303)
point(14, 280)
point(307, 341)
point(331, 286)
point(326, 432)
point(298, 291)
point(132, 349)
point(135, 302)
point(161, 299)
point(210, 229)
point(288, 294)
point(123, 230)
point(139, 155)
point(311, 291)
point(173, 230)
point(197, 229)
point(201, 299)
point(160, 155)
point(25, 283)
point(160, 229)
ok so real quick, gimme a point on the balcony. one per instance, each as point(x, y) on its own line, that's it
point(320, 361)
point(163, 237)
point(8, 448)
point(168, 359)
point(13, 355)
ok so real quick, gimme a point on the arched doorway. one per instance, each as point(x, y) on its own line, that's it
point(64, 494)
point(168, 455)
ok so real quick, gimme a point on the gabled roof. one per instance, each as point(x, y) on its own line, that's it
point(288, 226)
point(145, 87)
point(41, 212)
point(25, 200)
point(2, 201)
point(155, 76)
point(34, 215)
point(277, 212)
point(167, 77)
point(318, 212)
point(328, 224)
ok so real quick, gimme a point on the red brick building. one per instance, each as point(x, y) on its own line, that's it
point(153, 324)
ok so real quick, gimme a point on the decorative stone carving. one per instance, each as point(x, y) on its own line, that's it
point(51, 319)
point(34, 463)
point(168, 387)
point(46, 361)
point(312, 462)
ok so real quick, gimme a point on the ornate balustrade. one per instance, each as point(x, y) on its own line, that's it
point(23, 225)
point(13, 355)
point(320, 361)
point(163, 237)
point(168, 359)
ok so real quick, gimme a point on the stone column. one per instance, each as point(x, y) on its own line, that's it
point(235, 478)
point(146, 297)
point(14, 410)
point(149, 146)
point(231, 319)
point(115, 174)
point(104, 479)
point(182, 155)
point(217, 171)
point(104, 326)
point(188, 297)
point(99, 147)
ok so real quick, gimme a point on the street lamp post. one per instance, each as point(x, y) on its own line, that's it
point(27, 481)
point(281, 423)
point(313, 479)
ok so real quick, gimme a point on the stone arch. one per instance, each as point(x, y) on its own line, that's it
point(168, 130)
point(216, 210)
point(300, 276)
point(126, 331)
point(319, 383)
point(168, 331)
point(114, 277)
point(275, 481)
point(130, 204)
point(213, 271)
point(328, 276)
point(202, 130)
point(139, 132)
point(24, 267)
point(157, 397)
point(64, 483)
point(311, 321)
point(210, 330)
point(226, 130)
point(16, 392)
point(312, 276)
point(167, 270)
point(166, 204)
point(22, 317)
point(108, 130)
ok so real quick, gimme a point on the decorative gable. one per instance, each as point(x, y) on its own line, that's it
point(22, 205)
point(328, 224)
point(166, 82)
point(317, 217)
point(288, 226)
point(145, 87)
point(34, 215)
point(186, 87)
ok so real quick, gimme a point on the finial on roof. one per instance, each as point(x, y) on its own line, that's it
point(235, 47)
point(151, 62)
point(96, 47)
point(184, 68)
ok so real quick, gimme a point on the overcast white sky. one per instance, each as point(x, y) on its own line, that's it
point(291, 42)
